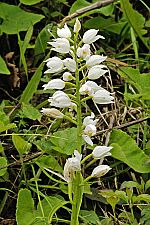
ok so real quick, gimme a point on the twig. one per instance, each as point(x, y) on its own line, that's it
point(123, 125)
point(81, 11)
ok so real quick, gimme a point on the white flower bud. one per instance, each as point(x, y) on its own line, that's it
point(70, 64)
point(52, 112)
point(54, 65)
point(54, 84)
point(60, 45)
point(67, 76)
point(77, 26)
point(91, 36)
point(100, 152)
point(97, 71)
point(95, 60)
point(100, 171)
point(103, 97)
point(64, 32)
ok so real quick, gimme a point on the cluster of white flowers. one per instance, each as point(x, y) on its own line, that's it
point(82, 57)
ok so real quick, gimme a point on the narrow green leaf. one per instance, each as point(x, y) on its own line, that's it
point(20, 144)
point(3, 67)
point(25, 208)
point(32, 85)
point(135, 19)
point(3, 163)
point(126, 150)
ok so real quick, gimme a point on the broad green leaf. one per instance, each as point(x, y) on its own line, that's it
point(3, 163)
point(30, 112)
point(30, 2)
point(135, 19)
point(4, 122)
point(130, 184)
point(32, 85)
point(49, 162)
point(126, 150)
point(90, 217)
point(50, 205)
point(6, 127)
point(25, 214)
point(107, 10)
point(20, 144)
point(44, 145)
point(16, 19)
point(65, 141)
point(145, 215)
point(105, 24)
point(140, 81)
point(78, 4)
point(3, 67)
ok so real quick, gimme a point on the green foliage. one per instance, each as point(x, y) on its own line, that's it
point(21, 21)
point(108, 24)
point(49, 162)
point(3, 163)
point(78, 5)
point(25, 213)
point(30, 2)
point(145, 215)
point(135, 19)
point(89, 217)
point(65, 141)
point(140, 81)
point(3, 67)
point(20, 144)
point(32, 85)
point(41, 42)
point(28, 111)
point(126, 150)
point(4, 122)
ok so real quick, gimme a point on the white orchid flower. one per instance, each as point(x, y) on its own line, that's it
point(97, 71)
point(95, 60)
point(60, 99)
point(67, 76)
point(64, 32)
point(77, 26)
point(103, 97)
point(89, 88)
point(88, 132)
point(52, 112)
point(70, 64)
point(90, 120)
point(100, 171)
point(91, 36)
point(54, 65)
point(84, 52)
point(85, 90)
point(100, 152)
point(54, 84)
point(87, 139)
point(60, 45)
point(72, 164)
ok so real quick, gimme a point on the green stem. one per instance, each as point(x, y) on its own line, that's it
point(77, 198)
point(78, 189)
